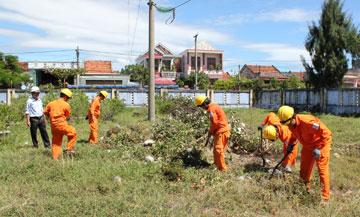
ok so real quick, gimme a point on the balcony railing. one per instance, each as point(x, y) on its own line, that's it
point(168, 74)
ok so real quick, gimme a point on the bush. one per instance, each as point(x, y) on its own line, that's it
point(110, 108)
point(79, 104)
point(293, 83)
point(51, 95)
point(163, 104)
point(17, 108)
point(203, 80)
point(224, 85)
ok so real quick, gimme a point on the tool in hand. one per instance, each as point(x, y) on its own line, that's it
point(272, 174)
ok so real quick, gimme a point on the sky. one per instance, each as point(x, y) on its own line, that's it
point(255, 32)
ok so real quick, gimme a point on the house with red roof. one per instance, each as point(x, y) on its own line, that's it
point(301, 75)
point(263, 72)
point(101, 73)
point(167, 64)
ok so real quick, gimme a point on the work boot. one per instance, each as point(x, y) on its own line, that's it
point(288, 169)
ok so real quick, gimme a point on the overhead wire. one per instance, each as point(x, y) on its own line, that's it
point(136, 22)
point(34, 52)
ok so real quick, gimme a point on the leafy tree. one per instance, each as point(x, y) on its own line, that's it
point(137, 72)
point(225, 84)
point(293, 82)
point(180, 82)
point(63, 74)
point(203, 80)
point(328, 44)
point(10, 71)
point(274, 83)
point(255, 84)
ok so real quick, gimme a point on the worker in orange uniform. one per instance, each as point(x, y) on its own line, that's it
point(58, 111)
point(219, 128)
point(94, 114)
point(316, 140)
point(275, 130)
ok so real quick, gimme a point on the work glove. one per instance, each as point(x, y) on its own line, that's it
point(260, 127)
point(316, 153)
point(289, 148)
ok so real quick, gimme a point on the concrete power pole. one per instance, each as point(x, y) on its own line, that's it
point(77, 65)
point(196, 73)
point(151, 108)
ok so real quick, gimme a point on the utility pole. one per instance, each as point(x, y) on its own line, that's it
point(196, 74)
point(239, 72)
point(151, 102)
point(77, 65)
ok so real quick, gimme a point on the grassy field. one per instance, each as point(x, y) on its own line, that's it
point(32, 184)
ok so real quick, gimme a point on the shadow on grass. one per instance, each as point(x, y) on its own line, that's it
point(193, 159)
point(254, 167)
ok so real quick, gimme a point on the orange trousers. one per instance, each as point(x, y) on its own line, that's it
point(57, 135)
point(93, 130)
point(291, 158)
point(220, 142)
point(307, 164)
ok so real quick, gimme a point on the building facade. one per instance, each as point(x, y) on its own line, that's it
point(209, 61)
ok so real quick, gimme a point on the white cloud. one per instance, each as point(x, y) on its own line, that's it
point(284, 15)
point(288, 15)
point(278, 51)
point(94, 25)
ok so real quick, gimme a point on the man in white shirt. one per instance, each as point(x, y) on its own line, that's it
point(35, 118)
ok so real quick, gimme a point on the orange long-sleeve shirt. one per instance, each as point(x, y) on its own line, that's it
point(95, 107)
point(271, 119)
point(58, 110)
point(219, 123)
point(284, 133)
point(310, 131)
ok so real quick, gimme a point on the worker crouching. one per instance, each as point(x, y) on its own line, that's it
point(94, 114)
point(316, 140)
point(275, 130)
point(58, 111)
point(219, 128)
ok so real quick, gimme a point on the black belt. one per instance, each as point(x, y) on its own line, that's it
point(37, 117)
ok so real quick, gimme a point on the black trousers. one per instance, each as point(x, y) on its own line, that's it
point(35, 123)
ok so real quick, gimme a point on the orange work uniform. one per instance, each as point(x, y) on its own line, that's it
point(94, 110)
point(312, 133)
point(221, 131)
point(59, 111)
point(284, 135)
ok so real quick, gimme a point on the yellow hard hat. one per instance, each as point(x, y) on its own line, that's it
point(67, 92)
point(270, 133)
point(104, 93)
point(200, 100)
point(285, 114)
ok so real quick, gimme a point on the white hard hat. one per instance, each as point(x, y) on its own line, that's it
point(35, 89)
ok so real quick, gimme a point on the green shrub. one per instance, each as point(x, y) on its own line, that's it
point(110, 108)
point(163, 104)
point(79, 104)
point(17, 108)
point(51, 95)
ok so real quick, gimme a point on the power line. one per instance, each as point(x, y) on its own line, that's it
point(137, 16)
point(96, 51)
point(264, 61)
point(30, 52)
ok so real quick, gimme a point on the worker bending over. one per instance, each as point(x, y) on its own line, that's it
point(316, 140)
point(219, 128)
point(275, 130)
point(94, 114)
point(58, 111)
